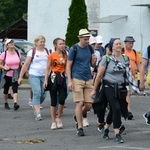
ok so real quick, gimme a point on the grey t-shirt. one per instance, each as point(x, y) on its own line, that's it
point(112, 75)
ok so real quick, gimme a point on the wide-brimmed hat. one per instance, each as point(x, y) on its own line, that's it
point(99, 39)
point(84, 33)
point(8, 41)
point(92, 40)
point(129, 39)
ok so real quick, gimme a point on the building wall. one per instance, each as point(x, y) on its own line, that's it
point(49, 18)
point(136, 25)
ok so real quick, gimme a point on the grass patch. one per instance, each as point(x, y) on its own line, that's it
point(25, 81)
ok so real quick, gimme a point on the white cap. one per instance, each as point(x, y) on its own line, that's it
point(99, 39)
point(92, 40)
point(8, 41)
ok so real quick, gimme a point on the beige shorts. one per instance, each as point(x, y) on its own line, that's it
point(82, 90)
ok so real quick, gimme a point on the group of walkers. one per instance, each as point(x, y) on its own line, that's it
point(84, 68)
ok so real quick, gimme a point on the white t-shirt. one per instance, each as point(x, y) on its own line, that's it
point(38, 64)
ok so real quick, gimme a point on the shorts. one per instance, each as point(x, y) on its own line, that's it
point(82, 90)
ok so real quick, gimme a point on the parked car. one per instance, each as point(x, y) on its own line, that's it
point(21, 46)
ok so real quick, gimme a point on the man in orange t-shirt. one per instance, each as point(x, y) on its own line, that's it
point(134, 63)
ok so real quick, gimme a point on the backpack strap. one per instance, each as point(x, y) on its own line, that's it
point(6, 54)
point(75, 51)
point(91, 49)
point(34, 50)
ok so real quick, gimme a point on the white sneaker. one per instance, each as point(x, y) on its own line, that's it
point(30, 102)
point(38, 117)
point(53, 126)
point(59, 123)
point(85, 122)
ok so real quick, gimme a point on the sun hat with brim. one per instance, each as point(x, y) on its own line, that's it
point(99, 39)
point(129, 39)
point(8, 41)
point(92, 40)
point(84, 33)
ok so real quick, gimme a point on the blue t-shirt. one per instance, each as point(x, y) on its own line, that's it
point(81, 65)
point(145, 56)
point(101, 50)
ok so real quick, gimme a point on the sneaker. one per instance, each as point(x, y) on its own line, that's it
point(16, 106)
point(30, 103)
point(130, 116)
point(118, 138)
point(75, 119)
point(106, 131)
point(100, 128)
point(121, 129)
point(41, 106)
point(9, 96)
point(53, 126)
point(38, 117)
point(59, 123)
point(80, 132)
point(146, 119)
point(85, 122)
point(7, 106)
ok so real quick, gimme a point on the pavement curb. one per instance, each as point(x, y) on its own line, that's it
point(24, 87)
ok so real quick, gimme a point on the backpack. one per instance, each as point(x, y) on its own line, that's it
point(6, 54)
point(133, 51)
point(34, 50)
point(26, 75)
point(75, 51)
point(125, 57)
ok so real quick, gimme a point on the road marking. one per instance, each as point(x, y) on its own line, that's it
point(125, 147)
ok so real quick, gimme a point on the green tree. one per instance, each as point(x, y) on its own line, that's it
point(11, 11)
point(77, 20)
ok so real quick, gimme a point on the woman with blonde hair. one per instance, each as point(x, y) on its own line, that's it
point(35, 63)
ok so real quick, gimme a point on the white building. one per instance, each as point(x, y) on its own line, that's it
point(117, 18)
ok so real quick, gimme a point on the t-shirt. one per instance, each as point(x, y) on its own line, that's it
point(58, 63)
point(145, 56)
point(39, 63)
point(134, 58)
point(111, 75)
point(81, 68)
point(12, 61)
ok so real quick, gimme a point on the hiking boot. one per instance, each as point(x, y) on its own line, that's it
point(130, 116)
point(85, 122)
point(53, 126)
point(100, 128)
point(7, 106)
point(75, 119)
point(147, 119)
point(9, 96)
point(16, 106)
point(59, 123)
point(121, 129)
point(106, 131)
point(38, 117)
point(80, 132)
point(118, 138)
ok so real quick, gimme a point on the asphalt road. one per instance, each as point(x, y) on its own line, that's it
point(18, 129)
